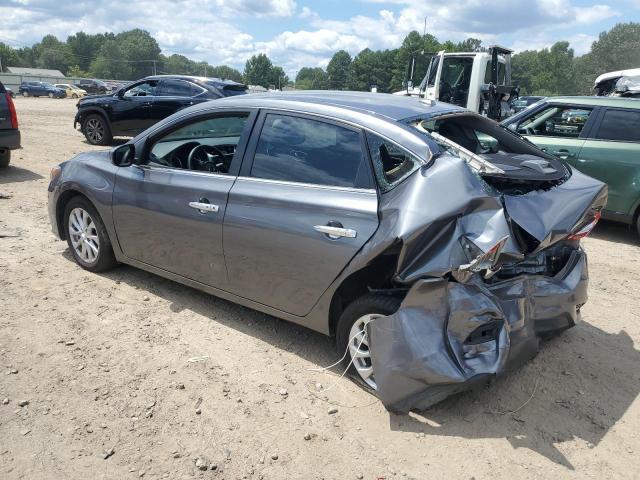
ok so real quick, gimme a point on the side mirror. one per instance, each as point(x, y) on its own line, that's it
point(123, 155)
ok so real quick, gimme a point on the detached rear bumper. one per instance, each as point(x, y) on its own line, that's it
point(447, 336)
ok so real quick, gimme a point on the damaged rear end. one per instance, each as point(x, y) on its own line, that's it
point(488, 251)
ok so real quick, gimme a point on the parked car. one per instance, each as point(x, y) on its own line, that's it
point(600, 136)
point(93, 87)
point(523, 102)
point(436, 261)
point(9, 133)
point(40, 89)
point(71, 91)
point(138, 105)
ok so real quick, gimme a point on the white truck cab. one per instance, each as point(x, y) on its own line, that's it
point(474, 80)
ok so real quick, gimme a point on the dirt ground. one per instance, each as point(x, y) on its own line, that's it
point(157, 374)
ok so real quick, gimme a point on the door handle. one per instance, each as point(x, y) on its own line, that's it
point(563, 153)
point(336, 232)
point(204, 207)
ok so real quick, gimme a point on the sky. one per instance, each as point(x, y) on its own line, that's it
point(298, 33)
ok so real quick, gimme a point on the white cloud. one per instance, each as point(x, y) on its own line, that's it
point(218, 31)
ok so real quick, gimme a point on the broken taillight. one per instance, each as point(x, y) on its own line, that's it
point(585, 229)
point(12, 111)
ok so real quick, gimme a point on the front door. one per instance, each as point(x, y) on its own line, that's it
point(299, 212)
point(132, 112)
point(168, 213)
point(558, 130)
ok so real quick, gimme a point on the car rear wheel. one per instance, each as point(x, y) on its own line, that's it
point(351, 335)
point(5, 157)
point(50, 94)
point(87, 236)
point(96, 130)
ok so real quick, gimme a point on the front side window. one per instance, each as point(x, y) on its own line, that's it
point(144, 89)
point(556, 122)
point(300, 150)
point(391, 163)
point(207, 145)
point(620, 125)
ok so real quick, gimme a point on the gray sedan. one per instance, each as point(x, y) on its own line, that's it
point(436, 246)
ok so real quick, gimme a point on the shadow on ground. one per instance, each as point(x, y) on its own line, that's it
point(13, 174)
point(578, 387)
point(616, 232)
point(116, 142)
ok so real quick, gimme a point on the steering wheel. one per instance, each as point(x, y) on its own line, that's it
point(205, 157)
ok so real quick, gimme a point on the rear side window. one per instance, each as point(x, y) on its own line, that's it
point(176, 88)
point(391, 163)
point(556, 121)
point(301, 150)
point(620, 125)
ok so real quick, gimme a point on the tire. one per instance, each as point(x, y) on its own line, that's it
point(87, 232)
point(638, 224)
point(5, 157)
point(74, 96)
point(357, 312)
point(25, 94)
point(96, 130)
point(50, 94)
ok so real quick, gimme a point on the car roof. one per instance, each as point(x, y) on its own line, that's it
point(391, 107)
point(194, 78)
point(622, 102)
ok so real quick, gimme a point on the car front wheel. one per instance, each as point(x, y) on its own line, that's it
point(25, 94)
point(87, 236)
point(96, 130)
point(50, 94)
point(352, 339)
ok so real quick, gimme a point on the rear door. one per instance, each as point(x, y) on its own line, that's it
point(168, 213)
point(612, 154)
point(558, 129)
point(173, 95)
point(302, 207)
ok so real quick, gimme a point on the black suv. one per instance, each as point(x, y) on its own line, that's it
point(9, 133)
point(93, 87)
point(137, 106)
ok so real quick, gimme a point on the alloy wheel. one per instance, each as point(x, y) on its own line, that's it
point(94, 130)
point(359, 349)
point(83, 233)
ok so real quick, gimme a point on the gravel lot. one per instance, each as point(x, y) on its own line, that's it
point(155, 375)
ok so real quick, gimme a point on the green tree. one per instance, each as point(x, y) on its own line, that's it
point(140, 49)
point(338, 70)
point(8, 56)
point(112, 63)
point(371, 68)
point(223, 71)
point(84, 48)
point(311, 79)
point(53, 54)
point(257, 70)
point(278, 78)
point(617, 49)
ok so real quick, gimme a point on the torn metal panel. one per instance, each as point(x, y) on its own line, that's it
point(447, 336)
point(458, 326)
